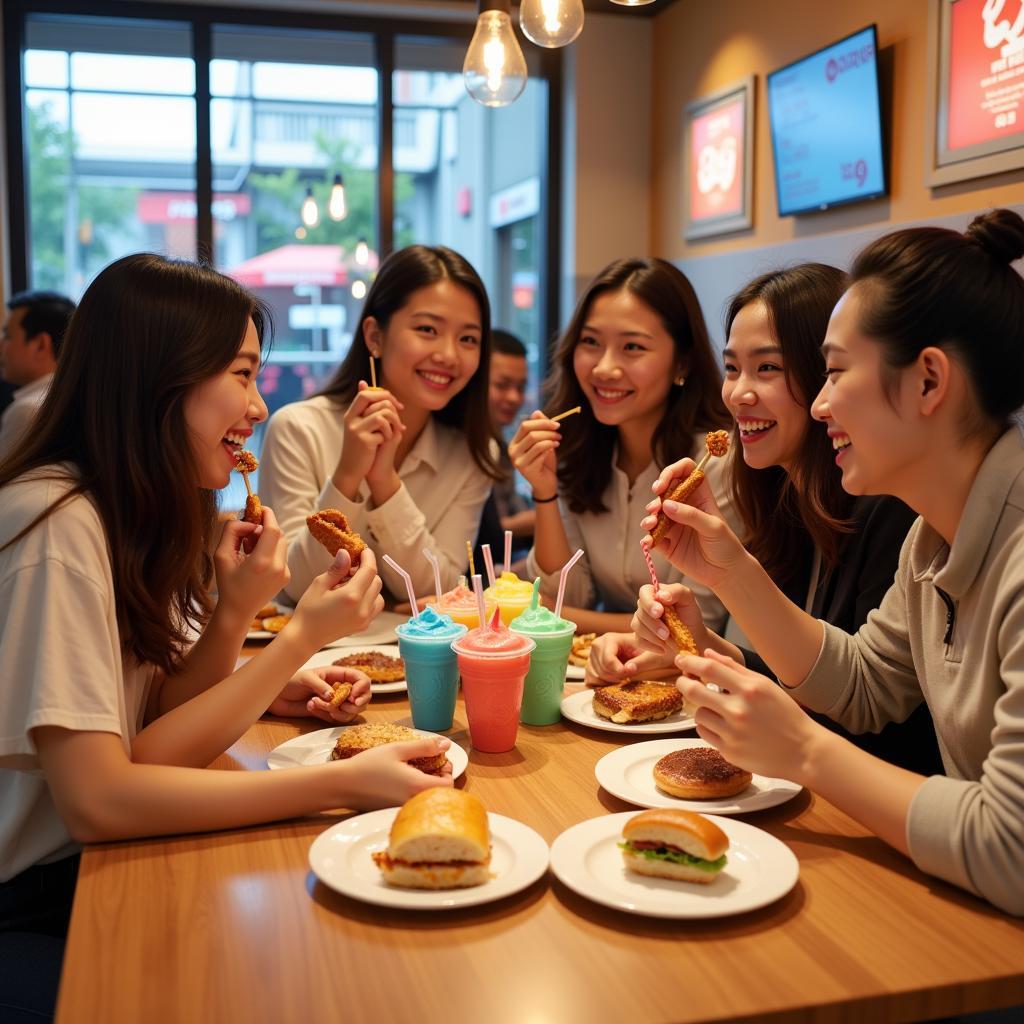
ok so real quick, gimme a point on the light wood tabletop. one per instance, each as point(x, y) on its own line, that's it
point(233, 926)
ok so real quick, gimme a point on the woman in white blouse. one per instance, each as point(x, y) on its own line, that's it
point(637, 358)
point(411, 462)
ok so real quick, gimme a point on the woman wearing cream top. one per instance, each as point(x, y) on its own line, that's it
point(410, 463)
point(636, 357)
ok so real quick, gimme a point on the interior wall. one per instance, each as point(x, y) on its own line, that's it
point(700, 48)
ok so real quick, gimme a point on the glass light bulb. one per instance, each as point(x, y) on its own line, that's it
point(632, 3)
point(495, 69)
point(336, 205)
point(358, 289)
point(551, 23)
point(362, 252)
point(310, 212)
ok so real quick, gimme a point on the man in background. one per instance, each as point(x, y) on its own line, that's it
point(32, 334)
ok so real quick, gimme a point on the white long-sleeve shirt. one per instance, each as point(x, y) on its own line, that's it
point(437, 506)
point(18, 416)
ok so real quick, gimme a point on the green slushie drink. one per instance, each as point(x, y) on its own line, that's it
point(542, 692)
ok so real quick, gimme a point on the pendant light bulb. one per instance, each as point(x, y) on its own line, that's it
point(551, 23)
point(362, 252)
point(494, 70)
point(632, 3)
point(310, 212)
point(337, 207)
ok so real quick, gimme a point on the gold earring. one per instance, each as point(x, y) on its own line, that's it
point(679, 381)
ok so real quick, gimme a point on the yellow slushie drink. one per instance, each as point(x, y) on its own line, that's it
point(511, 594)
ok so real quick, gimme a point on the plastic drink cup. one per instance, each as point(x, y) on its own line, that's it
point(459, 604)
point(511, 594)
point(431, 668)
point(493, 663)
point(542, 691)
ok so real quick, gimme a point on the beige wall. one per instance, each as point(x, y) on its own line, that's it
point(701, 47)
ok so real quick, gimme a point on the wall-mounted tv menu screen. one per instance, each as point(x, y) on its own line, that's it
point(826, 126)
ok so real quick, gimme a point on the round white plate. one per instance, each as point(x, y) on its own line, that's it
point(315, 748)
point(331, 654)
point(260, 634)
point(578, 707)
point(341, 858)
point(380, 631)
point(759, 870)
point(628, 773)
point(575, 673)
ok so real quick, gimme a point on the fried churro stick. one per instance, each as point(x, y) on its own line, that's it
point(717, 443)
point(341, 694)
point(679, 631)
point(246, 463)
point(331, 528)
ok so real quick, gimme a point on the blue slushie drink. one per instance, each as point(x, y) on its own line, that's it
point(431, 668)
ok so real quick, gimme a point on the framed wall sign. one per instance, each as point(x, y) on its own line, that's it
point(719, 148)
point(976, 88)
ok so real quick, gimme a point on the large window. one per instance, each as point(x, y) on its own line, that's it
point(210, 131)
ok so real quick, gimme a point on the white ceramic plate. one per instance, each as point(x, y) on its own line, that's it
point(315, 748)
point(578, 707)
point(381, 631)
point(575, 673)
point(341, 858)
point(759, 870)
point(260, 634)
point(628, 773)
point(330, 655)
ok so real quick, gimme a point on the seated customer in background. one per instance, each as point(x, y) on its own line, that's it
point(31, 339)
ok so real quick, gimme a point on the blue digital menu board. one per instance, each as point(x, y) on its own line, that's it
point(826, 126)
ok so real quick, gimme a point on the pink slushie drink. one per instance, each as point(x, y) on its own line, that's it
point(493, 663)
point(459, 604)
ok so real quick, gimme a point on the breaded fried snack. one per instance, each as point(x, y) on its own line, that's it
point(380, 667)
point(364, 737)
point(246, 463)
point(275, 623)
point(342, 692)
point(717, 444)
point(580, 653)
point(331, 528)
point(639, 701)
point(679, 631)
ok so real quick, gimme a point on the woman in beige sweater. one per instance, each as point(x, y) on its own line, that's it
point(925, 369)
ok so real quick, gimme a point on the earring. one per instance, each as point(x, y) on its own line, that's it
point(679, 381)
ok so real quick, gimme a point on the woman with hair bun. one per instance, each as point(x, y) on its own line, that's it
point(925, 370)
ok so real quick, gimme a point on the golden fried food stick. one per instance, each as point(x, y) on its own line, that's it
point(717, 443)
point(246, 463)
point(679, 631)
point(341, 694)
point(331, 528)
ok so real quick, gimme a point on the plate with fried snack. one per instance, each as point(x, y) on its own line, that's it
point(639, 706)
point(381, 662)
point(592, 859)
point(580, 653)
point(343, 858)
point(346, 741)
point(689, 774)
point(268, 622)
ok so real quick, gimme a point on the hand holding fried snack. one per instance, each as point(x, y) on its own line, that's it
point(331, 528)
point(717, 443)
point(246, 463)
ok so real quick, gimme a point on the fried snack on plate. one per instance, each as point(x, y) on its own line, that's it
point(640, 701)
point(380, 667)
point(275, 623)
point(342, 691)
point(699, 773)
point(331, 528)
point(717, 444)
point(360, 738)
point(580, 652)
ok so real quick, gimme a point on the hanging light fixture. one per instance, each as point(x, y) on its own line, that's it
point(362, 252)
point(632, 3)
point(358, 289)
point(494, 70)
point(551, 23)
point(336, 205)
point(310, 212)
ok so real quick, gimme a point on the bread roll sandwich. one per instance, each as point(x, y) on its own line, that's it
point(640, 701)
point(674, 844)
point(440, 839)
point(699, 773)
point(358, 738)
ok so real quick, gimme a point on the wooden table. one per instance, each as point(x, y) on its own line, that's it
point(233, 927)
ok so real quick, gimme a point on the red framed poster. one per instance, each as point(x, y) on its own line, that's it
point(977, 59)
point(718, 187)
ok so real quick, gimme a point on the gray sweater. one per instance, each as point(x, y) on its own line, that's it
point(950, 631)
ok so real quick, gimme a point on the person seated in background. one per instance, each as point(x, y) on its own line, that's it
point(32, 333)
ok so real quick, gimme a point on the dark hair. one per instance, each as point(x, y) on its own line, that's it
point(779, 508)
point(44, 311)
point(507, 343)
point(401, 274)
point(147, 331)
point(933, 286)
point(585, 454)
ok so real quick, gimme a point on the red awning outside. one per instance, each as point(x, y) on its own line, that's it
point(291, 265)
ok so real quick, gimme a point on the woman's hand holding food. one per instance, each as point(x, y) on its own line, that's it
point(372, 420)
point(699, 542)
point(652, 634)
point(617, 656)
point(310, 693)
point(752, 721)
point(336, 604)
point(381, 777)
point(247, 581)
point(533, 453)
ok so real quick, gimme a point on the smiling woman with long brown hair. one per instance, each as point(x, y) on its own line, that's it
point(637, 359)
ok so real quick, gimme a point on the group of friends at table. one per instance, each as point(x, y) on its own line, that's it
point(853, 572)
